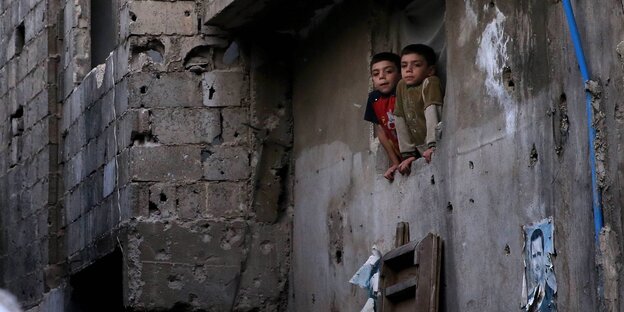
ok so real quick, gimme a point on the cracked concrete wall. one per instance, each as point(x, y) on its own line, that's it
point(514, 150)
point(28, 146)
point(157, 153)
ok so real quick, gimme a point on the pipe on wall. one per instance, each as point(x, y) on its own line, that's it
point(580, 56)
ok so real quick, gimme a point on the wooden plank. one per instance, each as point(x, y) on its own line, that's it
point(410, 276)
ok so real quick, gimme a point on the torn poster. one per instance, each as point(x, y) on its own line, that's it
point(368, 277)
point(539, 285)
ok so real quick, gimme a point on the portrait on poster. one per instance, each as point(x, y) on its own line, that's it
point(539, 283)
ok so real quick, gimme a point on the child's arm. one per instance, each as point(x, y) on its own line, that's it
point(391, 150)
point(432, 96)
point(407, 147)
point(431, 119)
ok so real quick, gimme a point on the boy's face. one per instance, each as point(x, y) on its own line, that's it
point(414, 69)
point(385, 76)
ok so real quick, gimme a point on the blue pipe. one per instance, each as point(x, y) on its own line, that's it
point(580, 56)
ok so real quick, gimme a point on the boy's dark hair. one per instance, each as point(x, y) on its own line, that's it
point(386, 56)
point(422, 50)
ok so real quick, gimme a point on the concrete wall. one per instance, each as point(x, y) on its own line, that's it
point(511, 154)
point(148, 167)
point(193, 154)
point(28, 146)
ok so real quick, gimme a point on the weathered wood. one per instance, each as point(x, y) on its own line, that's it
point(402, 236)
point(410, 276)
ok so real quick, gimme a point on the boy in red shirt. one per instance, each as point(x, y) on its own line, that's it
point(380, 106)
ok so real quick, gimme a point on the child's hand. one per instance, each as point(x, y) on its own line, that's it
point(389, 175)
point(427, 154)
point(406, 165)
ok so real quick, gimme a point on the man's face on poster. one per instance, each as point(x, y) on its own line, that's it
point(537, 258)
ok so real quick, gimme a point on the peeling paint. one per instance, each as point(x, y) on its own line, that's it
point(491, 59)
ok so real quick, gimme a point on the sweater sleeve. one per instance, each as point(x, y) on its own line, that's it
point(432, 92)
point(432, 98)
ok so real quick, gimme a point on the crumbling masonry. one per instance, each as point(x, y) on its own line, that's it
point(210, 155)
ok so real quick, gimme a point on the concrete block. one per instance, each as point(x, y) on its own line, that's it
point(165, 163)
point(15, 151)
point(109, 178)
point(191, 200)
point(72, 202)
point(93, 118)
point(144, 125)
point(126, 128)
point(212, 243)
point(147, 18)
point(137, 198)
point(164, 90)
point(17, 126)
point(267, 267)
point(226, 199)
point(106, 111)
point(207, 287)
point(4, 80)
point(226, 163)
point(182, 125)
point(224, 88)
point(235, 124)
point(121, 97)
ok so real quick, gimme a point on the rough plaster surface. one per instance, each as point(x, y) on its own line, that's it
point(514, 150)
point(196, 188)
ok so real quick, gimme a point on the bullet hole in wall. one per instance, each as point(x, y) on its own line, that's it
point(508, 79)
point(163, 197)
point(338, 256)
point(153, 208)
point(205, 154)
point(432, 179)
point(561, 125)
point(533, 156)
point(143, 89)
point(449, 207)
point(211, 92)
point(470, 165)
point(19, 112)
point(133, 16)
point(507, 250)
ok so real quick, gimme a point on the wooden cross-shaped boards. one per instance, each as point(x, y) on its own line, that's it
point(410, 276)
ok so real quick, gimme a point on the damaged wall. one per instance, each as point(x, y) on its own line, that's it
point(514, 151)
point(172, 161)
point(28, 145)
point(186, 153)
